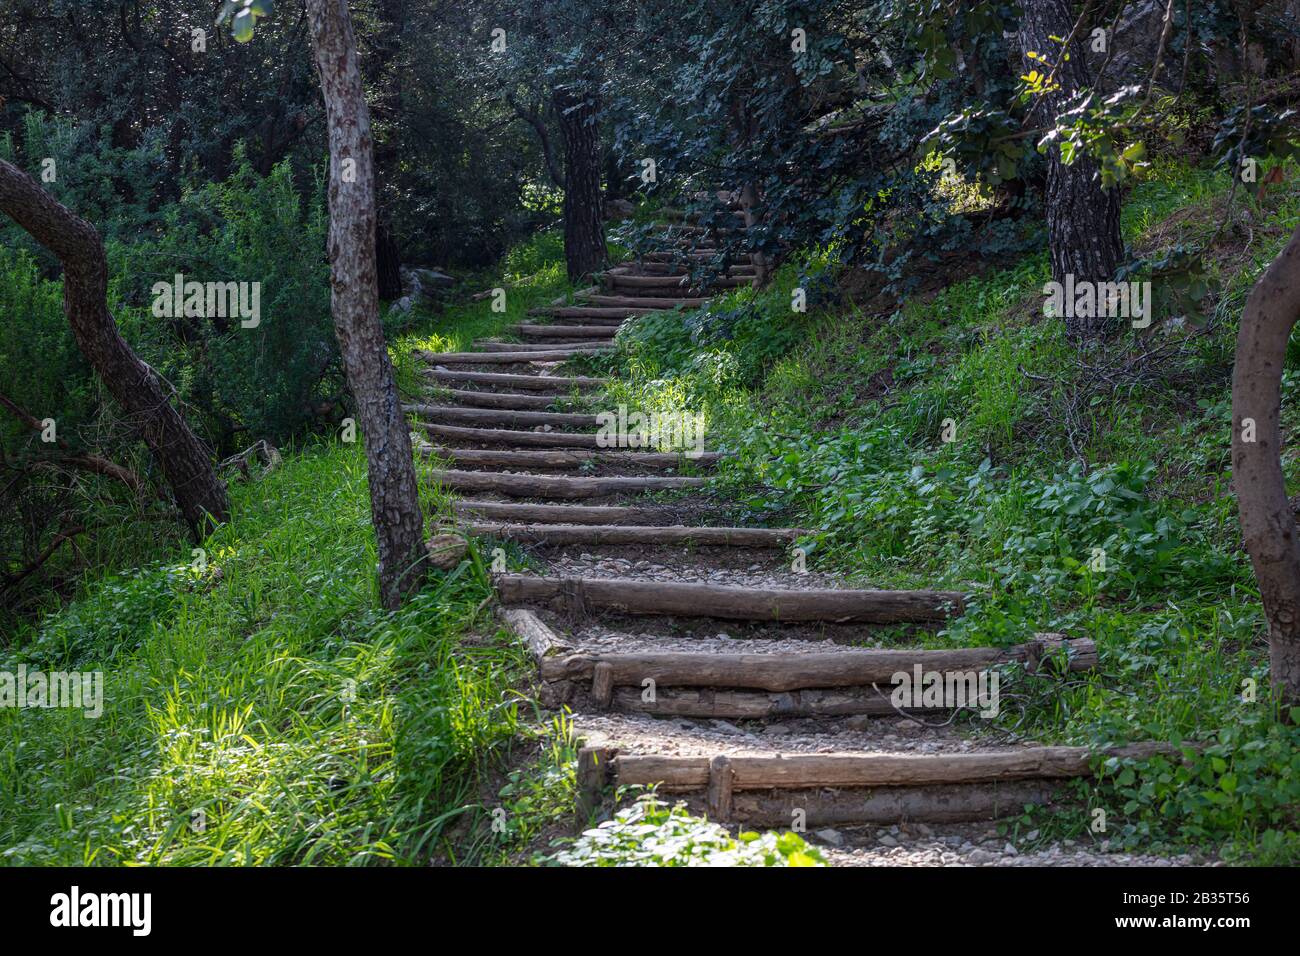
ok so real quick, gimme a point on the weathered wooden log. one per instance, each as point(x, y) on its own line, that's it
point(671, 283)
point(528, 627)
point(592, 313)
point(658, 303)
point(508, 347)
point(594, 768)
point(733, 603)
point(728, 704)
point(479, 417)
point(721, 790)
point(660, 535)
point(553, 384)
point(506, 400)
point(891, 805)
point(553, 486)
point(511, 438)
point(567, 514)
point(566, 460)
point(806, 770)
point(791, 671)
point(531, 330)
point(519, 357)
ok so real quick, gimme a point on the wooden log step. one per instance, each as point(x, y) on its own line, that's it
point(565, 460)
point(790, 671)
point(565, 514)
point(658, 303)
point(593, 313)
point(667, 269)
point(752, 772)
point(510, 438)
point(670, 256)
point(727, 704)
point(683, 599)
point(553, 486)
point(500, 416)
point(522, 356)
point(887, 805)
point(532, 331)
point(666, 535)
point(551, 384)
point(507, 400)
point(671, 283)
point(543, 346)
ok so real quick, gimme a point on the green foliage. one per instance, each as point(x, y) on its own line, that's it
point(265, 380)
point(266, 696)
point(44, 371)
point(652, 833)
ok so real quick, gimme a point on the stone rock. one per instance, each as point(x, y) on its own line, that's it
point(980, 858)
point(833, 837)
point(446, 550)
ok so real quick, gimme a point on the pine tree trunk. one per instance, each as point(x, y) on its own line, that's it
point(394, 496)
point(1083, 230)
point(182, 457)
point(584, 228)
point(1268, 524)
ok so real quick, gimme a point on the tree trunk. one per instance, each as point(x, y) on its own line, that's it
point(394, 495)
point(1083, 231)
point(183, 458)
point(584, 229)
point(1268, 525)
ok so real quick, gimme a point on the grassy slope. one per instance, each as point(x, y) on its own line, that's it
point(265, 710)
point(844, 435)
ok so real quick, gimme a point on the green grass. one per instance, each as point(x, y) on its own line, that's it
point(266, 698)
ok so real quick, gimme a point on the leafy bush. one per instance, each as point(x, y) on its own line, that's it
point(263, 381)
point(652, 833)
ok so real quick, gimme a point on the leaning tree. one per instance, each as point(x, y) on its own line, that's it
point(184, 459)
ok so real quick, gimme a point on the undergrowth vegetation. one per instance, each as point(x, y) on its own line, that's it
point(959, 441)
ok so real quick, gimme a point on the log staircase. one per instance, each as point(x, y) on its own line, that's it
point(658, 697)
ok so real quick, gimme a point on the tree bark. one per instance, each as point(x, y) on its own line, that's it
point(1083, 229)
point(1268, 525)
point(584, 228)
point(394, 495)
point(183, 458)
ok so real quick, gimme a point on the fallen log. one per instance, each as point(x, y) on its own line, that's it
point(732, 603)
point(553, 384)
point(551, 486)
